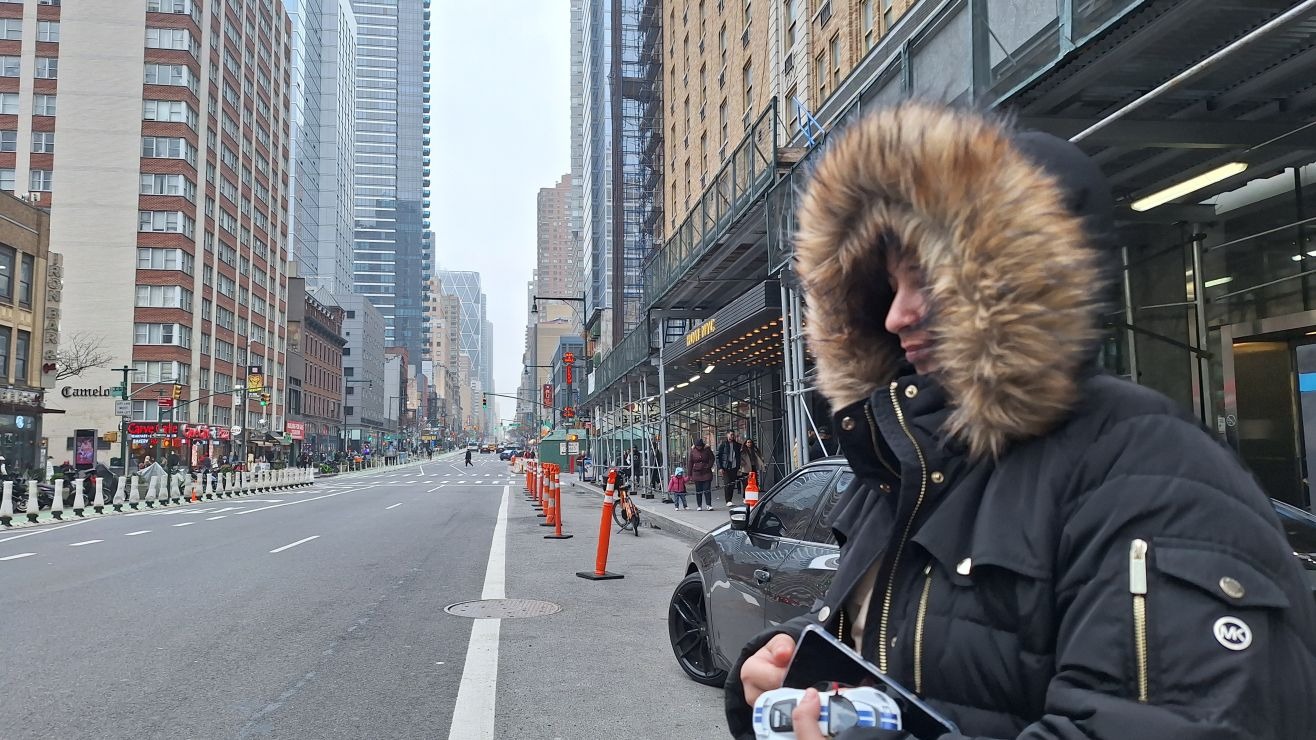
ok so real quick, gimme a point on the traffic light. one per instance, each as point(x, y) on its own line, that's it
point(110, 437)
point(484, 400)
point(265, 399)
point(178, 391)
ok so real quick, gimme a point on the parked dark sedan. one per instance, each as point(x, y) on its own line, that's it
point(771, 564)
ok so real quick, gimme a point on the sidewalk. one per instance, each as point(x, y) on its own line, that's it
point(690, 525)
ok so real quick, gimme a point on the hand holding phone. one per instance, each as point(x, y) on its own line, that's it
point(820, 658)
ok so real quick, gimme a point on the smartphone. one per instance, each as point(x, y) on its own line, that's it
point(821, 658)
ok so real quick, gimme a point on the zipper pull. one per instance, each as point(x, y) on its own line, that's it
point(1138, 567)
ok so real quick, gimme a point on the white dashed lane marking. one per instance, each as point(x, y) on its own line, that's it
point(19, 555)
point(294, 544)
point(88, 542)
point(134, 534)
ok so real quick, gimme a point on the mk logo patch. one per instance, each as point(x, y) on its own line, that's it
point(1233, 633)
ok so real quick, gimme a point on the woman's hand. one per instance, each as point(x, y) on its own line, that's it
point(805, 716)
point(766, 669)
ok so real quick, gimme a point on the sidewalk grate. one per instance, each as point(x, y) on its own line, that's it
point(502, 608)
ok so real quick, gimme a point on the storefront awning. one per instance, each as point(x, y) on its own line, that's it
point(743, 335)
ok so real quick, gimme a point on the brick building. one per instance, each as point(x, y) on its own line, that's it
point(315, 371)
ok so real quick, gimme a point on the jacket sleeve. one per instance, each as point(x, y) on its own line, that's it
point(1181, 611)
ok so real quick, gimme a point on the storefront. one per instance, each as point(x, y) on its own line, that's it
point(20, 428)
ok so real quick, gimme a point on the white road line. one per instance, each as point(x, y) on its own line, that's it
point(213, 518)
point(302, 501)
point(394, 506)
point(432, 490)
point(43, 531)
point(88, 542)
point(294, 544)
point(134, 534)
point(473, 716)
point(184, 524)
point(19, 555)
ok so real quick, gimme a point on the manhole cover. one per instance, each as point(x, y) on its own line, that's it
point(503, 609)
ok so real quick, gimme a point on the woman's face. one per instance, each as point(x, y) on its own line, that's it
point(908, 312)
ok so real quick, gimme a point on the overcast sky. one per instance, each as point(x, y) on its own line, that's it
point(501, 131)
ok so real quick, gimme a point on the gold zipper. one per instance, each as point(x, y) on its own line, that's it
point(909, 525)
point(877, 448)
point(840, 623)
point(918, 630)
point(1138, 588)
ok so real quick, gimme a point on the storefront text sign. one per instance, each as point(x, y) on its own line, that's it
point(700, 332)
point(294, 430)
point(50, 320)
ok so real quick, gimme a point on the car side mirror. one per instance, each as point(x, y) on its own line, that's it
point(739, 518)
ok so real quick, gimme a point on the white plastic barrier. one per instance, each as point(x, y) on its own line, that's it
point(7, 501)
point(79, 502)
point(57, 506)
point(98, 501)
point(134, 493)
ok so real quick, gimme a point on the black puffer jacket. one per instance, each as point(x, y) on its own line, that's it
point(1062, 554)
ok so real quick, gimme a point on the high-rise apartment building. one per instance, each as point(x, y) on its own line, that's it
point(165, 165)
point(365, 402)
point(724, 62)
point(323, 135)
point(620, 154)
point(392, 253)
point(558, 270)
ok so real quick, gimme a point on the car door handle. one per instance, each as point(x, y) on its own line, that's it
point(762, 576)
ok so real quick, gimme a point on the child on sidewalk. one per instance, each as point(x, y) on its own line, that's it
point(676, 487)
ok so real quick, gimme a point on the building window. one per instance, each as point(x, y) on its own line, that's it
point(168, 147)
point(171, 38)
point(169, 6)
point(11, 29)
point(7, 180)
point(151, 258)
point(9, 104)
point(172, 222)
point(8, 141)
point(48, 31)
point(820, 72)
point(10, 66)
point(866, 13)
point(41, 181)
point(47, 68)
point(42, 105)
point(21, 350)
point(169, 185)
point(171, 334)
point(175, 111)
point(43, 142)
point(747, 84)
point(164, 296)
point(26, 269)
point(5, 335)
point(161, 371)
point(888, 15)
point(836, 63)
point(170, 74)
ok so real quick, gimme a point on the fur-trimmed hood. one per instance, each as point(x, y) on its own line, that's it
point(1007, 227)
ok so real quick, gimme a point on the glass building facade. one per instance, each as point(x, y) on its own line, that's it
point(390, 262)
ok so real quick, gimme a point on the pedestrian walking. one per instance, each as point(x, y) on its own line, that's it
point(1036, 548)
point(728, 464)
point(752, 459)
point(699, 463)
point(676, 487)
point(468, 456)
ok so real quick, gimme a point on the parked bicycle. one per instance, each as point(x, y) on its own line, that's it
point(625, 512)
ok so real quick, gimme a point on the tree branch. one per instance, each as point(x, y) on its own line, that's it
point(79, 352)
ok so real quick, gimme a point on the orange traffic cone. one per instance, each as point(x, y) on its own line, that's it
point(194, 496)
point(752, 490)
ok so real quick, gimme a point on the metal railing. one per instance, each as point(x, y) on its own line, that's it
point(743, 178)
point(632, 350)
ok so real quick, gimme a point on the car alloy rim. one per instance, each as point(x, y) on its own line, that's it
point(691, 635)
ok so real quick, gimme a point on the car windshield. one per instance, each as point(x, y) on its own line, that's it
point(1299, 527)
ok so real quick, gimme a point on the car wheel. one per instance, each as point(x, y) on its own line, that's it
point(687, 626)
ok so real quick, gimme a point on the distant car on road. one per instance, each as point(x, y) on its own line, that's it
point(508, 453)
point(769, 564)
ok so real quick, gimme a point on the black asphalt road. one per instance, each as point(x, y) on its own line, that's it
point(184, 624)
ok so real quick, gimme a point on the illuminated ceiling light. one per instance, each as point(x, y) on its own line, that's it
point(681, 385)
point(1217, 281)
point(1191, 185)
point(1296, 258)
point(695, 377)
point(709, 368)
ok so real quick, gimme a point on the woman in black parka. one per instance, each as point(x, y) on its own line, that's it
point(1038, 549)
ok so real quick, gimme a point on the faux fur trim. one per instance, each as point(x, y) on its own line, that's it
point(1013, 281)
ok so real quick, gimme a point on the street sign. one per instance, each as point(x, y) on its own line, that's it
point(235, 430)
point(123, 408)
point(165, 403)
point(117, 392)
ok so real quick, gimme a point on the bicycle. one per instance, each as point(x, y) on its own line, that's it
point(625, 512)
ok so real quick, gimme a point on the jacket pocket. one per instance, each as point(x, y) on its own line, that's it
point(1202, 617)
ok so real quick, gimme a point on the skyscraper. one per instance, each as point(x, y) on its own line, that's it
point(558, 271)
point(392, 243)
point(171, 175)
point(323, 136)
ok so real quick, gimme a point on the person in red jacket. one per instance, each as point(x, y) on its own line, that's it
point(699, 463)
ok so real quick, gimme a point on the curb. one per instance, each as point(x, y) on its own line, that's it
point(681, 530)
